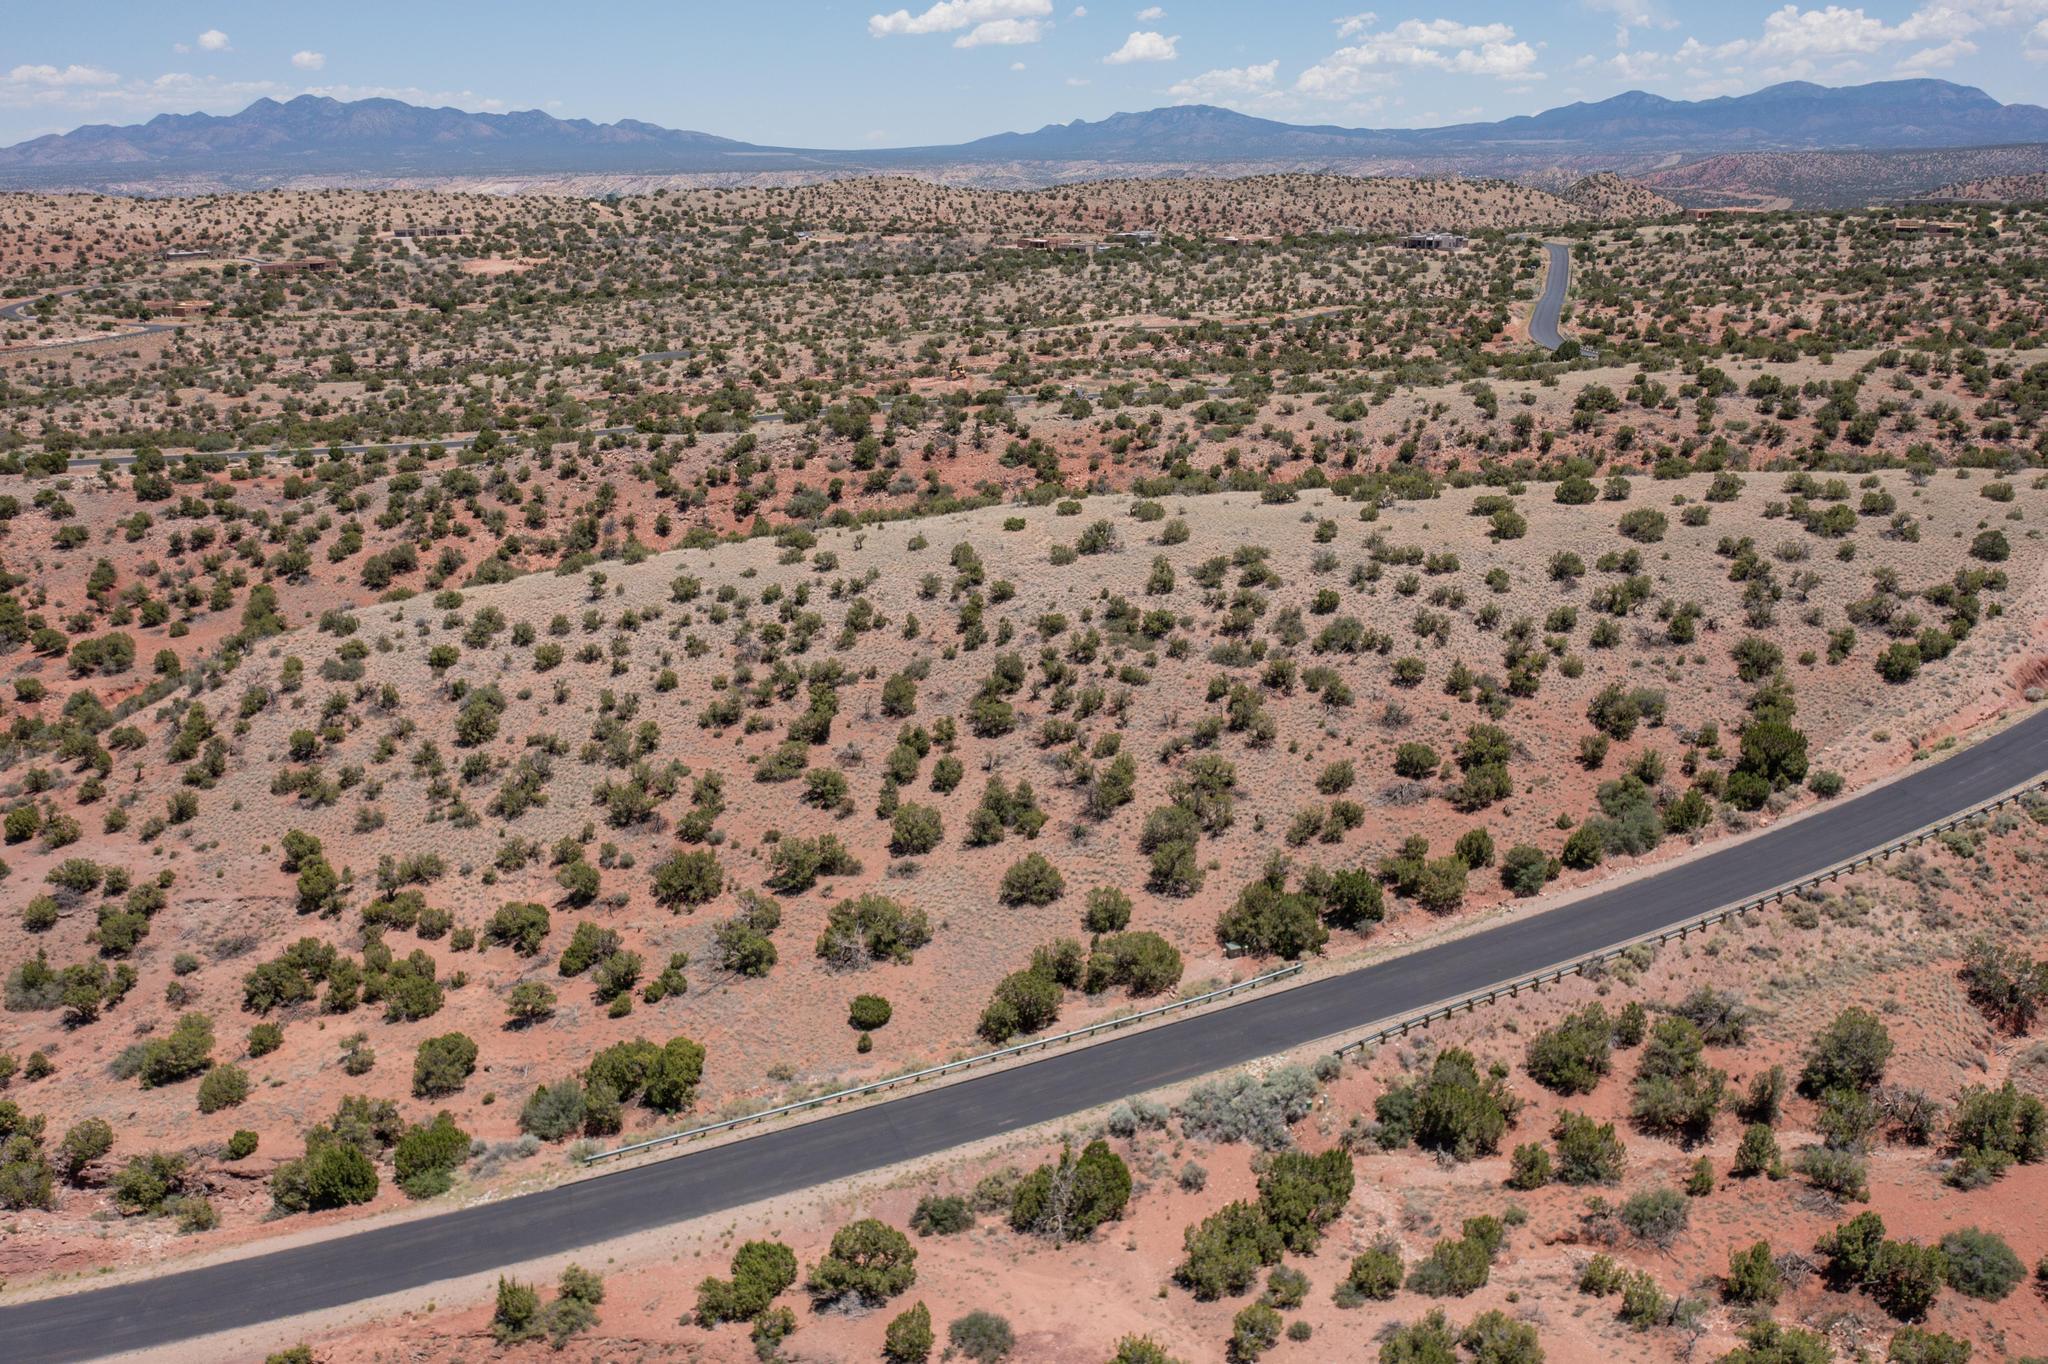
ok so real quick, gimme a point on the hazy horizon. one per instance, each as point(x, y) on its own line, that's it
point(830, 75)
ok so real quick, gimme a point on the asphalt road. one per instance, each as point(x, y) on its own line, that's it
point(19, 312)
point(181, 1305)
point(90, 462)
point(1556, 281)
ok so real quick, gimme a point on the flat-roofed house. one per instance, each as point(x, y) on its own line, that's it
point(302, 265)
point(1434, 241)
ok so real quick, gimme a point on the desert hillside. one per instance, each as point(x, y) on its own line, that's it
point(1609, 196)
point(1836, 179)
point(2017, 189)
point(493, 677)
point(1608, 1231)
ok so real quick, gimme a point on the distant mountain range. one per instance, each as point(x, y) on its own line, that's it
point(312, 137)
point(1794, 116)
point(371, 136)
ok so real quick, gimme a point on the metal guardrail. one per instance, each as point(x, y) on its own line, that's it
point(950, 1067)
point(1466, 1003)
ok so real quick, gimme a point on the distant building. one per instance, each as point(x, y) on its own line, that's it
point(1249, 239)
point(1074, 245)
point(1137, 236)
point(303, 265)
point(175, 253)
point(180, 307)
point(1434, 241)
point(445, 230)
point(1941, 227)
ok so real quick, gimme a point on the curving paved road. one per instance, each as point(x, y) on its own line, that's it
point(18, 312)
point(383, 1259)
point(1556, 281)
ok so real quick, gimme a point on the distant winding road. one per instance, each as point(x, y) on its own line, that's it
point(387, 1258)
point(19, 312)
point(1557, 280)
point(395, 443)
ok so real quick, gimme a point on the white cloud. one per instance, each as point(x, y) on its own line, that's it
point(1080, 12)
point(309, 61)
point(1077, 81)
point(1946, 19)
point(1833, 40)
point(213, 40)
point(952, 16)
point(1145, 47)
point(90, 93)
point(1628, 66)
point(2037, 43)
point(1443, 45)
point(1016, 66)
point(57, 77)
point(1792, 33)
point(177, 85)
point(1937, 58)
point(1001, 33)
point(1628, 13)
point(1632, 14)
point(1226, 83)
point(1151, 14)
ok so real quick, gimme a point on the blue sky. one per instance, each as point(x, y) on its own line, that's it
point(842, 74)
